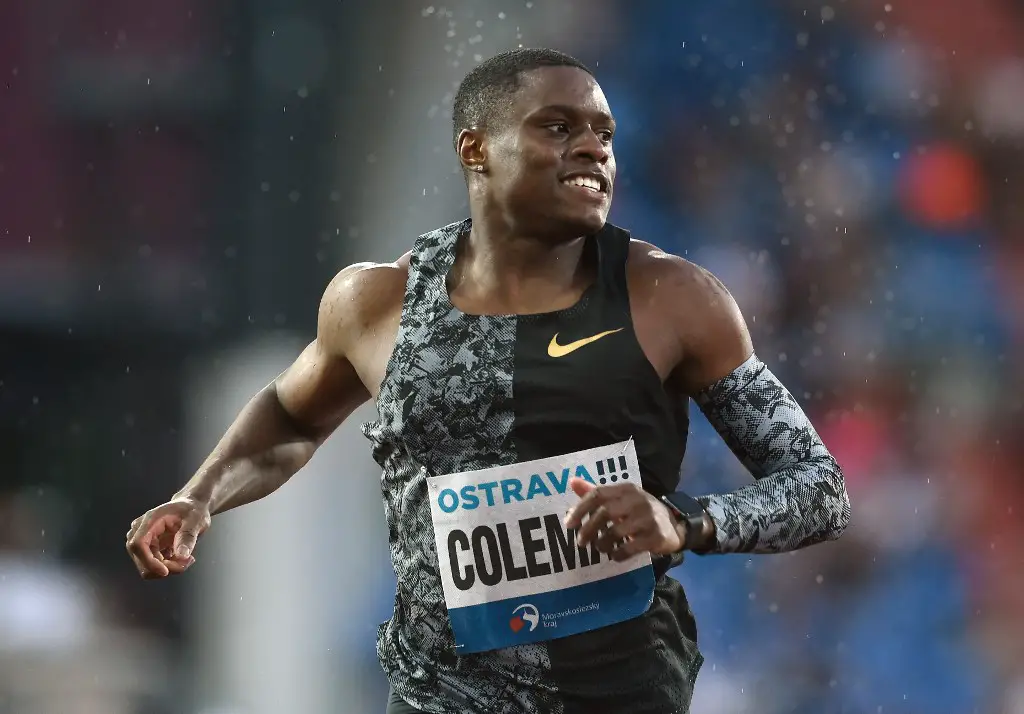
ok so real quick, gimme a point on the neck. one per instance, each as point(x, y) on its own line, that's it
point(498, 261)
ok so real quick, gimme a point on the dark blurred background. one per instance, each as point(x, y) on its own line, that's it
point(179, 182)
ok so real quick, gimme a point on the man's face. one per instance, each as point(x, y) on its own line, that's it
point(550, 166)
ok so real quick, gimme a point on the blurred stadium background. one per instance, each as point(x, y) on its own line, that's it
point(179, 181)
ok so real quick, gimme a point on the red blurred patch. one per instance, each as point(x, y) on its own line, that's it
point(942, 186)
point(858, 442)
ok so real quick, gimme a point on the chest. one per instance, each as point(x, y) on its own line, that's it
point(572, 377)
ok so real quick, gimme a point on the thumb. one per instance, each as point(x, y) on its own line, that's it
point(185, 538)
point(581, 486)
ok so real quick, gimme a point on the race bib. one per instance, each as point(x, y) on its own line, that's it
point(512, 572)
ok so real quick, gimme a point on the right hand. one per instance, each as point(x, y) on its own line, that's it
point(162, 540)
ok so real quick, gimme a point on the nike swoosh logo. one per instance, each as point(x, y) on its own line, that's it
point(557, 350)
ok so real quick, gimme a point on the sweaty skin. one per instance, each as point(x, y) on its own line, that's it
point(524, 255)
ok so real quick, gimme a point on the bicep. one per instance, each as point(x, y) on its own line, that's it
point(320, 390)
point(715, 338)
point(322, 387)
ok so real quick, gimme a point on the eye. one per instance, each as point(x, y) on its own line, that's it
point(606, 135)
point(559, 127)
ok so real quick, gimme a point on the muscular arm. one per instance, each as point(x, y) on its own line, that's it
point(279, 430)
point(798, 497)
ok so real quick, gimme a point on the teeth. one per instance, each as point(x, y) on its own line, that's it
point(584, 181)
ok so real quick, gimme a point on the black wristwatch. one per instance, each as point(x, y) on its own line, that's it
point(686, 508)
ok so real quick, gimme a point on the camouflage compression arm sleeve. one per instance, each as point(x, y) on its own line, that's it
point(799, 497)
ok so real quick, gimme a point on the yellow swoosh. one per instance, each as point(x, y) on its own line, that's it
point(557, 350)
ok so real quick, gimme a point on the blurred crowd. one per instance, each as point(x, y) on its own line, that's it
point(850, 170)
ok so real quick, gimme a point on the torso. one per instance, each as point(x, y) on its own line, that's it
point(458, 392)
point(379, 330)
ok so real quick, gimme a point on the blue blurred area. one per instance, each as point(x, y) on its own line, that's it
point(708, 174)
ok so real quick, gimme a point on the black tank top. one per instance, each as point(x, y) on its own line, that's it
point(464, 392)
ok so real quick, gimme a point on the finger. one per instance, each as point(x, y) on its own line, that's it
point(603, 495)
point(137, 526)
point(140, 548)
point(595, 523)
point(148, 571)
point(581, 487)
point(157, 550)
point(185, 561)
point(132, 529)
point(628, 528)
point(587, 504)
point(629, 548)
point(185, 539)
point(609, 539)
point(176, 567)
point(156, 573)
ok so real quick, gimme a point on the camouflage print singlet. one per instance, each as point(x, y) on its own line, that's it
point(467, 392)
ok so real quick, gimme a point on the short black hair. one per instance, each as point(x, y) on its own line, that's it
point(488, 89)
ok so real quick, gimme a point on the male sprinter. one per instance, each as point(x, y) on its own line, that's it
point(532, 367)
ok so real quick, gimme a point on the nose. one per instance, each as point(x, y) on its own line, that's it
point(589, 147)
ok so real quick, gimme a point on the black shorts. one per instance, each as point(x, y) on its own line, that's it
point(397, 705)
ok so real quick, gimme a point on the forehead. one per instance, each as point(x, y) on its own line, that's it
point(559, 86)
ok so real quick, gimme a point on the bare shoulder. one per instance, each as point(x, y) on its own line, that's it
point(360, 297)
point(657, 275)
point(669, 293)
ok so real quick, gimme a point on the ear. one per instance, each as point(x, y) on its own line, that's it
point(472, 150)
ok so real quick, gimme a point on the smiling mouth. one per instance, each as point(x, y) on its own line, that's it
point(587, 183)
